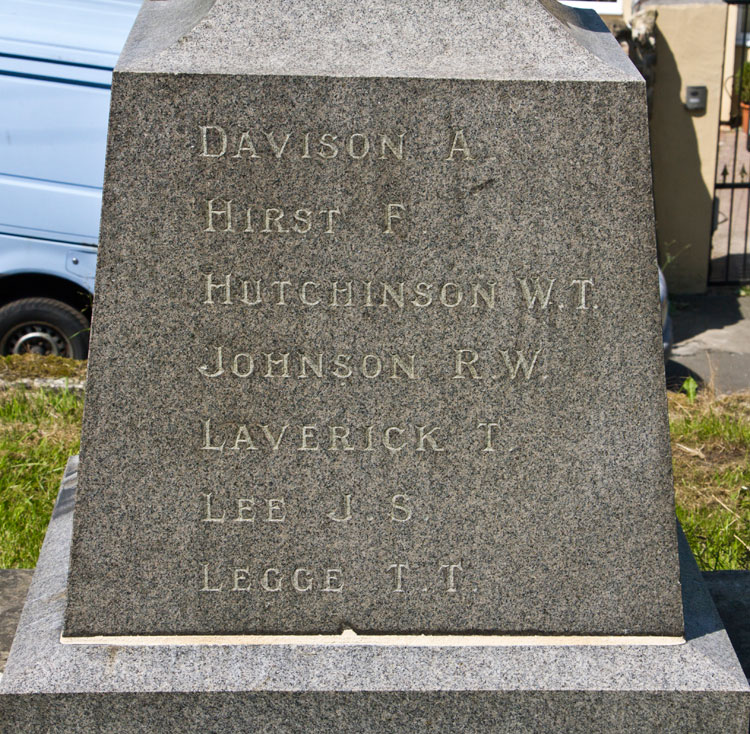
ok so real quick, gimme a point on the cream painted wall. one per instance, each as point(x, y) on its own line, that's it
point(626, 12)
point(729, 55)
point(690, 51)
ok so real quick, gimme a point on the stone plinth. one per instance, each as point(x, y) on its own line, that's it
point(696, 686)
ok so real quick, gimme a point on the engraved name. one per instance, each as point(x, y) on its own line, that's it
point(391, 439)
point(271, 579)
point(536, 294)
point(226, 511)
point(269, 365)
point(217, 141)
point(225, 215)
point(246, 510)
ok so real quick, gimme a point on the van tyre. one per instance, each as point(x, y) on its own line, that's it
point(43, 326)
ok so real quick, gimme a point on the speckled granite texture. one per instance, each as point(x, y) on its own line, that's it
point(695, 687)
point(376, 342)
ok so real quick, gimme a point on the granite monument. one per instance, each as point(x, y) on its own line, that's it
point(375, 431)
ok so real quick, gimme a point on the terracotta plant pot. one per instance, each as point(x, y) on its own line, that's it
point(745, 111)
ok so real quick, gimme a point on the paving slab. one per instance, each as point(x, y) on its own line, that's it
point(14, 584)
point(712, 341)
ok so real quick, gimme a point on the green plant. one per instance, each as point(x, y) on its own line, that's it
point(743, 76)
point(20, 366)
point(690, 388)
point(669, 252)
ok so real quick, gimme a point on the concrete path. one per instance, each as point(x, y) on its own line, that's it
point(712, 341)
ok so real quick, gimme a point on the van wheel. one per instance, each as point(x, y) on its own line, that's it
point(43, 326)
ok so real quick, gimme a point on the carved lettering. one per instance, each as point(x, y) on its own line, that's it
point(538, 294)
point(271, 584)
point(272, 579)
point(217, 140)
point(302, 583)
point(215, 511)
point(399, 570)
point(220, 209)
point(241, 576)
point(346, 511)
point(207, 444)
point(206, 585)
point(333, 582)
point(488, 446)
point(450, 576)
point(522, 363)
point(286, 365)
point(276, 511)
point(246, 144)
point(214, 141)
point(582, 292)
point(396, 295)
point(270, 220)
point(332, 438)
point(209, 513)
point(393, 212)
point(401, 510)
point(245, 509)
point(466, 358)
point(459, 145)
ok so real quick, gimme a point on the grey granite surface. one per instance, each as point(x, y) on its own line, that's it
point(483, 39)
point(476, 438)
point(697, 686)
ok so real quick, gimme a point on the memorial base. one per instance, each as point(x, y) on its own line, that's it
point(588, 686)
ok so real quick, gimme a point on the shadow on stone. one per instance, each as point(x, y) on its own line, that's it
point(731, 594)
point(732, 267)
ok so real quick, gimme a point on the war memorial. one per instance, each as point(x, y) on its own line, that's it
point(375, 435)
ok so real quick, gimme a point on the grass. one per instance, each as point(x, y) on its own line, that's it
point(711, 460)
point(40, 428)
point(18, 366)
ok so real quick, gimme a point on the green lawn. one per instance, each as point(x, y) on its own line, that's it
point(711, 459)
point(39, 429)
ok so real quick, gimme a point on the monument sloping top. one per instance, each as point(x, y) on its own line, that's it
point(445, 39)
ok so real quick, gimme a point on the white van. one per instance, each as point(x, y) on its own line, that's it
point(56, 61)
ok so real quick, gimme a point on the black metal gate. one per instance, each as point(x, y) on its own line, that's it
point(730, 261)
